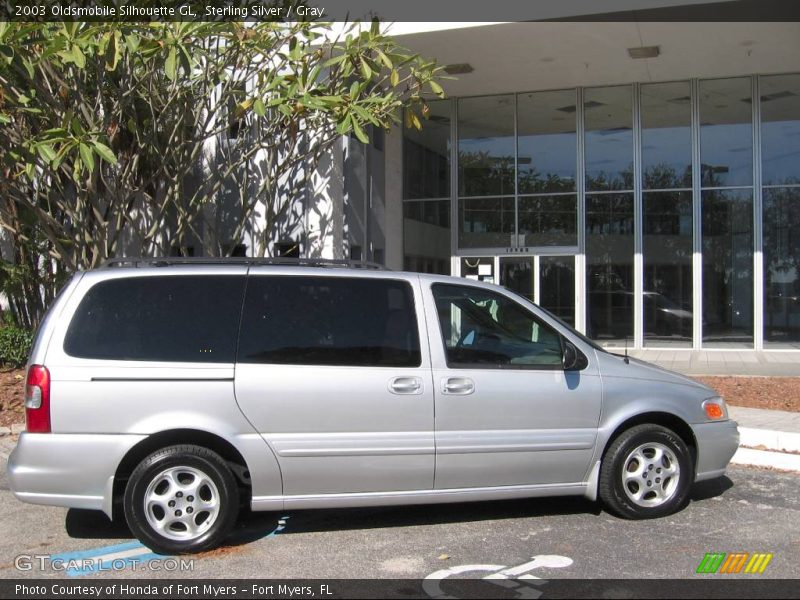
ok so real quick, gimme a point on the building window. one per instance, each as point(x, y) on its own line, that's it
point(548, 220)
point(426, 192)
point(426, 236)
point(426, 155)
point(780, 155)
point(726, 133)
point(547, 142)
point(667, 214)
point(727, 222)
point(726, 161)
point(667, 244)
point(486, 146)
point(608, 117)
point(609, 267)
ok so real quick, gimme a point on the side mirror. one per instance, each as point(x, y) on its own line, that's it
point(573, 359)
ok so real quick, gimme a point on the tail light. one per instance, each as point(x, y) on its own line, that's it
point(37, 399)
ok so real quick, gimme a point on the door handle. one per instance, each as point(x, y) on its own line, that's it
point(458, 386)
point(406, 385)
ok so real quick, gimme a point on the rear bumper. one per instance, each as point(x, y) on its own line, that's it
point(72, 470)
point(716, 444)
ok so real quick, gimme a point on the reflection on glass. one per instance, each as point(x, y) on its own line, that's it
point(727, 223)
point(780, 129)
point(547, 143)
point(726, 132)
point(485, 222)
point(609, 267)
point(608, 117)
point(557, 286)
point(666, 135)
point(426, 155)
point(486, 146)
point(479, 268)
point(548, 220)
point(426, 236)
point(517, 274)
point(782, 267)
point(667, 242)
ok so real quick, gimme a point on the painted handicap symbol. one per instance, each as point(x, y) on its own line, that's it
point(516, 578)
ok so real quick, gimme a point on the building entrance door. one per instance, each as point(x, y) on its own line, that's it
point(547, 280)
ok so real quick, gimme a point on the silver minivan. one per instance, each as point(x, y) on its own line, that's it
point(176, 392)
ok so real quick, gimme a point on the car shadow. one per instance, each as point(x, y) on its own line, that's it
point(705, 490)
point(252, 526)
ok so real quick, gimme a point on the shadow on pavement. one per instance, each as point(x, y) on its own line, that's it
point(705, 490)
point(91, 524)
point(256, 525)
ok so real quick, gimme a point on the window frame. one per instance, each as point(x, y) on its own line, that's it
point(496, 367)
point(414, 308)
point(145, 278)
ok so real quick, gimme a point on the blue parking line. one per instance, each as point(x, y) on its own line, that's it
point(84, 565)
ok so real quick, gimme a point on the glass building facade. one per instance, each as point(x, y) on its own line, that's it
point(661, 215)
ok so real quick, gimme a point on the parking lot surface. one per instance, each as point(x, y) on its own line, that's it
point(751, 510)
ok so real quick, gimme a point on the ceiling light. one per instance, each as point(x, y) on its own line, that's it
point(644, 52)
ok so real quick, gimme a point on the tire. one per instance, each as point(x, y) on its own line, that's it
point(197, 488)
point(646, 473)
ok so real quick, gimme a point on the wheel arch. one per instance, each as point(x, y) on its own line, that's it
point(669, 420)
point(163, 439)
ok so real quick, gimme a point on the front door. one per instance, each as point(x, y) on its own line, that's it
point(506, 411)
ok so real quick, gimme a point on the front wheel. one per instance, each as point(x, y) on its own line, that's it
point(647, 472)
point(181, 499)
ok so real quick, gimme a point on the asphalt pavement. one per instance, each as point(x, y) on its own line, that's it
point(751, 510)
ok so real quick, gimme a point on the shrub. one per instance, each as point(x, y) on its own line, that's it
point(15, 345)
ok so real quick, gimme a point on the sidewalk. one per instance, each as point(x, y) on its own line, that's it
point(768, 438)
point(723, 362)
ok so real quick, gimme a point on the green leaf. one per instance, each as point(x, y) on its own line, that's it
point(5, 119)
point(365, 70)
point(259, 108)
point(375, 28)
point(437, 89)
point(78, 57)
point(170, 65)
point(86, 156)
point(384, 59)
point(394, 78)
point(46, 152)
point(335, 60)
point(104, 152)
point(362, 137)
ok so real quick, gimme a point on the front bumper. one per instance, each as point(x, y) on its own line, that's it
point(72, 470)
point(717, 442)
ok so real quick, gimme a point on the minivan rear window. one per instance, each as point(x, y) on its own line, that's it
point(186, 318)
point(329, 321)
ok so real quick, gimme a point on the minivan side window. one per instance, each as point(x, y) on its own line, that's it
point(329, 321)
point(485, 330)
point(184, 318)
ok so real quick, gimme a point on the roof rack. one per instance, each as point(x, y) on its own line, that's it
point(140, 261)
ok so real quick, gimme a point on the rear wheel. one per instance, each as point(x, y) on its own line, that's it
point(181, 499)
point(646, 473)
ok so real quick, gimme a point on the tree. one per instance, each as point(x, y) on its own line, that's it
point(114, 131)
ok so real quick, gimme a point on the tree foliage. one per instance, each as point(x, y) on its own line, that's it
point(120, 132)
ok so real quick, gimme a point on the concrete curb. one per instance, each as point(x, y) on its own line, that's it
point(781, 441)
point(766, 458)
